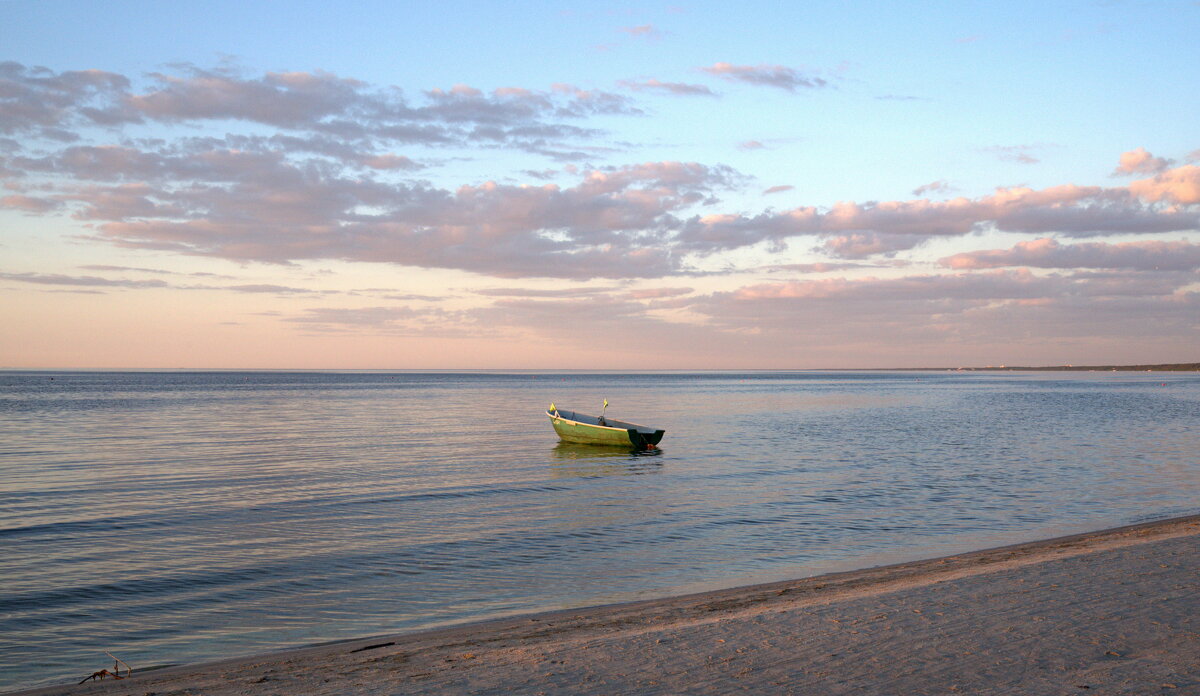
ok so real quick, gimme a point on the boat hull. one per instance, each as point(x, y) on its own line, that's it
point(614, 433)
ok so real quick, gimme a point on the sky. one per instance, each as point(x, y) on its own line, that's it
point(693, 185)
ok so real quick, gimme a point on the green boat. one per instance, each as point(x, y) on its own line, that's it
point(573, 426)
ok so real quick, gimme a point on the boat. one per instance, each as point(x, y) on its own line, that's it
point(573, 426)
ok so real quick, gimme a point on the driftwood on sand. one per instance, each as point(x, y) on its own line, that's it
point(115, 673)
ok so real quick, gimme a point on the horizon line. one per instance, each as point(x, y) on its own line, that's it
point(1179, 366)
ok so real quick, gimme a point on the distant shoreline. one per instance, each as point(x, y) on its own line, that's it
point(1167, 367)
point(1164, 367)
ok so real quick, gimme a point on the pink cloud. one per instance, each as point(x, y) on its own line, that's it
point(778, 189)
point(52, 106)
point(932, 187)
point(558, 293)
point(1180, 185)
point(29, 204)
point(855, 230)
point(778, 76)
point(645, 31)
point(857, 245)
point(994, 285)
point(968, 318)
point(357, 316)
point(675, 88)
point(658, 293)
point(909, 307)
point(266, 288)
point(1021, 154)
point(394, 320)
point(283, 99)
point(977, 318)
point(1140, 161)
point(39, 101)
point(121, 202)
point(58, 279)
point(85, 281)
point(585, 102)
point(390, 162)
point(612, 224)
point(1048, 253)
point(822, 267)
point(107, 267)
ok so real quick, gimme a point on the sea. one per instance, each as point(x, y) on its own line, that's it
point(179, 517)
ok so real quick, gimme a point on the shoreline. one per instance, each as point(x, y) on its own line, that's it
point(822, 634)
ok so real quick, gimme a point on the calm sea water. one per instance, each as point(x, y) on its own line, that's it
point(179, 517)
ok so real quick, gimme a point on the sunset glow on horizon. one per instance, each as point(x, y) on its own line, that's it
point(470, 186)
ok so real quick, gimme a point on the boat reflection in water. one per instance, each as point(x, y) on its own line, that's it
point(573, 460)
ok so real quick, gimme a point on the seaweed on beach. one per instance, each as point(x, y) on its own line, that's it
point(115, 673)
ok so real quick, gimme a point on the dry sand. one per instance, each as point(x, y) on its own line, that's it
point(1111, 612)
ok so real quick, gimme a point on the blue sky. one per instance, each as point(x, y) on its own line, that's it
point(760, 185)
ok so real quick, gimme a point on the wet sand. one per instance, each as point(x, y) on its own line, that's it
point(1112, 612)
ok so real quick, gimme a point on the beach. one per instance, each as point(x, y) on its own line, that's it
point(1109, 612)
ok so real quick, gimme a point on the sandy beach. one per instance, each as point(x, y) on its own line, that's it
point(1111, 612)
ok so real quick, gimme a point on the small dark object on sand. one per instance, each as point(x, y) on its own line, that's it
point(372, 647)
point(115, 673)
